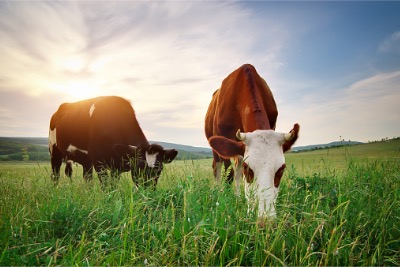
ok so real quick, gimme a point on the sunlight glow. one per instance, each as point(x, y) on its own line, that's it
point(78, 89)
point(73, 63)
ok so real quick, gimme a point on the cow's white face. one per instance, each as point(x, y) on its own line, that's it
point(264, 164)
point(264, 159)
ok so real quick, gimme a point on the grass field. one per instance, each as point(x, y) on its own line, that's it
point(336, 207)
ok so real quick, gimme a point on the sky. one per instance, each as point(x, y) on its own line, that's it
point(333, 67)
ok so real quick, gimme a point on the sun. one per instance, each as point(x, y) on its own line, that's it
point(78, 89)
point(76, 86)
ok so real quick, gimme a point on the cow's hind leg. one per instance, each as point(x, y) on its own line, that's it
point(56, 161)
point(68, 169)
point(217, 167)
point(86, 163)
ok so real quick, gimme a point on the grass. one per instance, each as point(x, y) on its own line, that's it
point(340, 207)
point(338, 159)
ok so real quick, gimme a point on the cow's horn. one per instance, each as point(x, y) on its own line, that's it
point(239, 135)
point(289, 136)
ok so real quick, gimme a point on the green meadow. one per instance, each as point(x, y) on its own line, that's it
point(338, 206)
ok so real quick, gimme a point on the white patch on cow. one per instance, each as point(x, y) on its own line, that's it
point(91, 110)
point(151, 159)
point(264, 155)
point(52, 139)
point(73, 149)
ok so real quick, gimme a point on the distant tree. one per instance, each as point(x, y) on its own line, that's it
point(25, 156)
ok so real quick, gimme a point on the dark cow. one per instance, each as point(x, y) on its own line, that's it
point(103, 133)
point(244, 109)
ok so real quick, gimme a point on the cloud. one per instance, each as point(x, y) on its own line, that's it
point(35, 41)
point(375, 102)
point(104, 44)
point(167, 58)
point(26, 115)
point(361, 111)
point(391, 44)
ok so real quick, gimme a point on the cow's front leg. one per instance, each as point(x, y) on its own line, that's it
point(56, 161)
point(68, 168)
point(229, 172)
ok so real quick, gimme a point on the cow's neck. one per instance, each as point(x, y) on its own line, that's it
point(257, 121)
point(256, 116)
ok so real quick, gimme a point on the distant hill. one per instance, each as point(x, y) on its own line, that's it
point(183, 147)
point(187, 152)
point(36, 149)
point(323, 146)
point(41, 141)
point(24, 148)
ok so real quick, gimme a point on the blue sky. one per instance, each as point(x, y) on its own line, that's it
point(333, 67)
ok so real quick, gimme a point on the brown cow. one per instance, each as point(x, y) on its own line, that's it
point(103, 133)
point(244, 108)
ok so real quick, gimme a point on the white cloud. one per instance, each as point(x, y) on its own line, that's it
point(391, 44)
point(167, 58)
point(363, 111)
point(35, 40)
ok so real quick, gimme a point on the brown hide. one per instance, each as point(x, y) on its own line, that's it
point(104, 134)
point(243, 102)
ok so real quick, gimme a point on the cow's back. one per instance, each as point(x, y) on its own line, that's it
point(243, 102)
point(71, 122)
point(113, 121)
point(94, 126)
point(211, 116)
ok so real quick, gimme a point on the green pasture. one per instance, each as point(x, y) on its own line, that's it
point(337, 206)
point(339, 158)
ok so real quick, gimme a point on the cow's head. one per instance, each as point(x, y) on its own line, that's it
point(264, 162)
point(145, 163)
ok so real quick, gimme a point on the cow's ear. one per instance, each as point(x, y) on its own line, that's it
point(226, 147)
point(124, 151)
point(169, 155)
point(295, 134)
